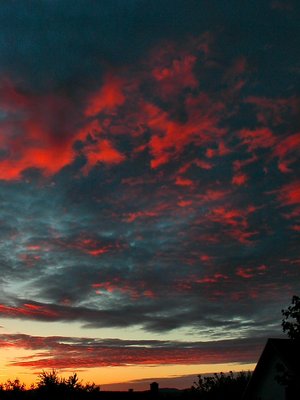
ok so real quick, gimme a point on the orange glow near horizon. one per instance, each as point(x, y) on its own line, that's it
point(131, 375)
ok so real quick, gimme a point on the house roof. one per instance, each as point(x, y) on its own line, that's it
point(287, 350)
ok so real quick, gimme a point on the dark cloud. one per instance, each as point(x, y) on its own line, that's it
point(55, 44)
point(61, 44)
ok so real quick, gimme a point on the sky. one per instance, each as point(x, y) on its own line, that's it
point(149, 186)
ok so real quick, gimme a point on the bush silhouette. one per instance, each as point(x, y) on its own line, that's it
point(222, 386)
point(50, 385)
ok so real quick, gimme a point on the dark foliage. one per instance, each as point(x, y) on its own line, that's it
point(291, 326)
point(222, 386)
point(50, 386)
point(291, 319)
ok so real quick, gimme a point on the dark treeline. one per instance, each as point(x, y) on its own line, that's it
point(50, 386)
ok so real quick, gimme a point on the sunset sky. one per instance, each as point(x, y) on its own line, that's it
point(149, 185)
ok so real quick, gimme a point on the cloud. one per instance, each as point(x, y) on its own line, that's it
point(107, 98)
point(69, 352)
point(36, 132)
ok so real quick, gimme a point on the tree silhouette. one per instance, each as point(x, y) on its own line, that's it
point(16, 385)
point(222, 386)
point(291, 325)
point(51, 385)
point(291, 319)
point(48, 379)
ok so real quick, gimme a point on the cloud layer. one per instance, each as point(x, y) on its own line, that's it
point(149, 172)
point(69, 352)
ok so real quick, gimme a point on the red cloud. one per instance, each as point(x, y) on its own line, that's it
point(31, 311)
point(232, 217)
point(221, 150)
point(170, 138)
point(239, 179)
point(234, 221)
point(289, 194)
point(245, 272)
point(91, 247)
point(184, 203)
point(250, 272)
point(40, 130)
point(117, 285)
point(185, 285)
point(183, 181)
point(172, 66)
point(288, 152)
point(66, 352)
point(131, 217)
point(212, 279)
point(256, 139)
point(48, 125)
point(239, 164)
point(37, 132)
point(203, 164)
point(49, 160)
point(213, 195)
point(107, 98)
point(205, 257)
point(102, 152)
point(288, 145)
point(175, 75)
point(33, 247)
point(87, 245)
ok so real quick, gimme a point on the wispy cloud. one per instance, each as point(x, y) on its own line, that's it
point(69, 352)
